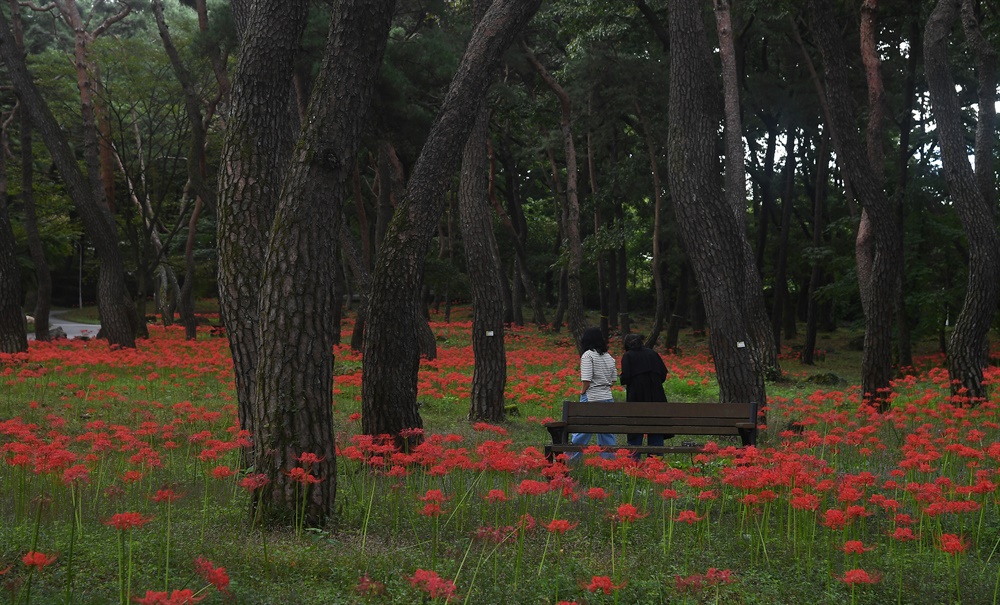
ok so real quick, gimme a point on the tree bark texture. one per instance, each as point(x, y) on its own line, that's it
point(986, 127)
point(293, 399)
point(967, 350)
point(482, 259)
point(118, 319)
point(253, 159)
point(391, 355)
point(706, 218)
point(879, 292)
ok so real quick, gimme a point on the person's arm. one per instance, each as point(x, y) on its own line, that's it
point(626, 374)
point(586, 372)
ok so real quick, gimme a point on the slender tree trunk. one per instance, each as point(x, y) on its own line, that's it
point(720, 267)
point(760, 343)
point(253, 159)
point(881, 295)
point(781, 266)
point(816, 275)
point(118, 320)
point(659, 316)
point(680, 308)
point(574, 294)
point(967, 351)
point(391, 356)
point(489, 376)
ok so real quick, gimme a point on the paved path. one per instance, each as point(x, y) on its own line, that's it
point(72, 329)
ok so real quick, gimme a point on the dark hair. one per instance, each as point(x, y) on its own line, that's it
point(593, 340)
point(633, 342)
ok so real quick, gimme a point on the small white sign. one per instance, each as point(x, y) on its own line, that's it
point(741, 345)
point(489, 332)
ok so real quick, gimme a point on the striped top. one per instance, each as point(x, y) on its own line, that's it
point(600, 370)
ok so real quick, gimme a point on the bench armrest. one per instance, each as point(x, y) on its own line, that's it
point(558, 432)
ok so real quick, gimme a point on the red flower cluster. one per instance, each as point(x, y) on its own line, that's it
point(603, 584)
point(696, 582)
point(38, 560)
point(216, 576)
point(433, 584)
point(177, 597)
point(125, 521)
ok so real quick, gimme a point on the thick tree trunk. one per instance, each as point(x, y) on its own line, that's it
point(880, 297)
point(574, 294)
point(391, 356)
point(482, 260)
point(253, 159)
point(118, 320)
point(707, 219)
point(292, 408)
point(967, 351)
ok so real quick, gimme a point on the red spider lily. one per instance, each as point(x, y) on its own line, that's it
point(597, 493)
point(904, 534)
point(253, 482)
point(307, 458)
point(952, 544)
point(131, 476)
point(834, 519)
point(368, 587)
point(432, 509)
point(354, 417)
point(696, 582)
point(166, 495)
point(860, 576)
point(434, 495)
point(216, 576)
point(688, 516)
point(669, 494)
point(38, 559)
point(433, 584)
point(495, 495)
point(603, 584)
point(299, 475)
point(530, 487)
point(78, 473)
point(222, 472)
point(560, 526)
point(627, 513)
point(856, 547)
point(125, 521)
point(177, 597)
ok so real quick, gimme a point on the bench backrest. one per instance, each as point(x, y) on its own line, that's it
point(678, 418)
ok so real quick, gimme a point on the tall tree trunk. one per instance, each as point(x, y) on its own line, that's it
point(761, 344)
point(489, 375)
point(781, 266)
point(516, 224)
point(967, 351)
point(574, 294)
point(880, 294)
point(391, 356)
point(13, 333)
point(293, 406)
point(707, 220)
point(816, 276)
point(659, 316)
point(118, 319)
point(186, 297)
point(43, 276)
point(253, 158)
point(680, 308)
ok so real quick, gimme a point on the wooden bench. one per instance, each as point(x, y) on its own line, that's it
point(738, 419)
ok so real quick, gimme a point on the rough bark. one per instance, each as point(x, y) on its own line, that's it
point(706, 218)
point(489, 376)
point(967, 350)
point(254, 156)
point(986, 127)
point(391, 356)
point(571, 224)
point(880, 290)
point(118, 320)
point(293, 406)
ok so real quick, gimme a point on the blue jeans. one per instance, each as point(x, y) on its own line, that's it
point(603, 439)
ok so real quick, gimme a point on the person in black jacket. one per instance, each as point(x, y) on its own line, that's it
point(642, 376)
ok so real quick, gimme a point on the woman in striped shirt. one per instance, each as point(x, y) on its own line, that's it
point(597, 374)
